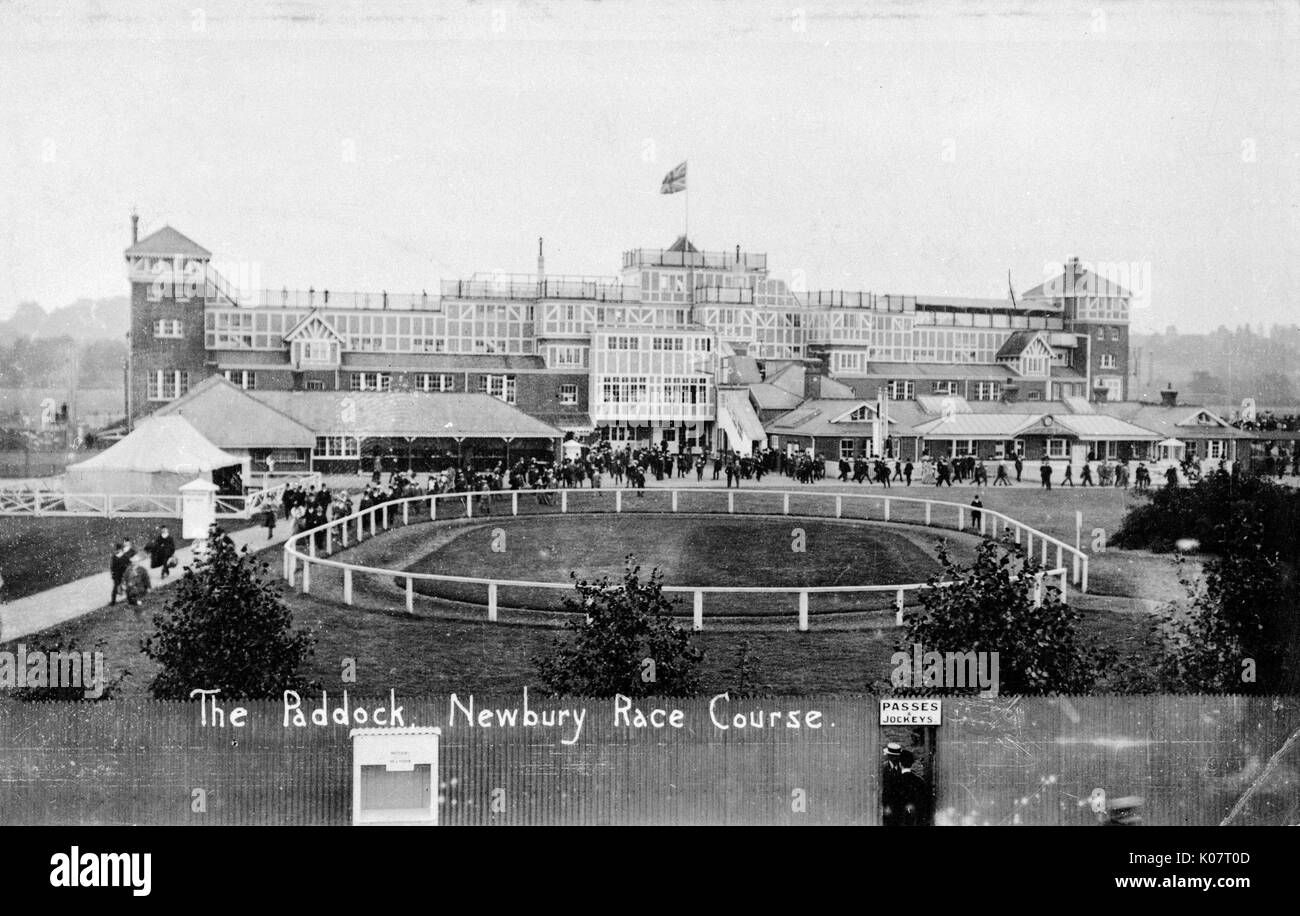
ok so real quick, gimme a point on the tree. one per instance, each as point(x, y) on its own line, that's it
point(1234, 632)
point(227, 628)
point(624, 640)
point(989, 607)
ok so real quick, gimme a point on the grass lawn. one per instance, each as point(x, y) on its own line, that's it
point(427, 655)
point(689, 551)
point(421, 656)
point(40, 553)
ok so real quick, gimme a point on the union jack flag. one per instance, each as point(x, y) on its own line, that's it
point(674, 181)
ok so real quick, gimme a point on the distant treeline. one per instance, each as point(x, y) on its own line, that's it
point(1223, 366)
point(46, 362)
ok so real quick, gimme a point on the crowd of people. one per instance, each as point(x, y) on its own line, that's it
point(127, 570)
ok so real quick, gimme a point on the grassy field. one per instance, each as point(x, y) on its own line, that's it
point(40, 553)
point(689, 551)
point(421, 655)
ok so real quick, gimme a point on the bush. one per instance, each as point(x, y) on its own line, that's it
point(227, 628)
point(624, 641)
point(1174, 513)
point(989, 607)
point(1238, 627)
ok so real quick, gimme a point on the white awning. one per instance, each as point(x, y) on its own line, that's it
point(737, 418)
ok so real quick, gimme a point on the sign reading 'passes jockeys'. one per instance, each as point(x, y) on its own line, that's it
point(911, 712)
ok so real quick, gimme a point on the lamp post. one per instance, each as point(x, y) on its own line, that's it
point(129, 374)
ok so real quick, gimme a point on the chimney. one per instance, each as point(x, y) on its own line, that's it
point(135, 227)
point(1169, 395)
point(541, 260)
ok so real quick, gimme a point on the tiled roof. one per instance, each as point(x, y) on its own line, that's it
point(1016, 344)
point(374, 413)
point(231, 418)
point(936, 370)
point(167, 241)
point(1086, 283)
point(1178, 422)
point(770, 397)
point(816, 418)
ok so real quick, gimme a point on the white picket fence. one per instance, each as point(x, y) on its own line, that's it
point(52, 503)
point(301, 554)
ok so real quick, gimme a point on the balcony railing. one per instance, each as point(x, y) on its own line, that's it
point(335, 299)
point(715, 260)
point(602, 289)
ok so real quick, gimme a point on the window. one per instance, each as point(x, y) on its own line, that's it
point(372, 381)
point(1114, 333)
point(315, 384)
point(901, 390)
point(667, 343)
point(862, 413)
point(963, 447)
point(1057, 448)
point(501, 387)
point(569, 356)
point(319, 352)
point(949, 387)
point(988, 391)
point(337, 447)
point(431, 381)
point(167, 327)
point(569, 394)
point(847, 448)
point(167, 384)
point(1108, 360)
point(1101, 333)
point(1216, 449)
point(244, 378)
point(1034, 396)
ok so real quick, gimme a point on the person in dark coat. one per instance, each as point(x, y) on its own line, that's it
point(913, 793)
point(161, 549)
point(136, 581)
point(117, 566)
point(891, 801)
point(268, 521)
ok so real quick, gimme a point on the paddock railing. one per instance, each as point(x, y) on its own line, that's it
point(53, 503)
point(311, 550)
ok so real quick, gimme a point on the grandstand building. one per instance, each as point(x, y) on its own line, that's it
point(674, 351)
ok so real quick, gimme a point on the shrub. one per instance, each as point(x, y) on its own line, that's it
point(623, 640)
point(227, 628)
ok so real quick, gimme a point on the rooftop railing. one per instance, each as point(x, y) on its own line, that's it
point(715, 260)
point(336, 299)
point(585, 288)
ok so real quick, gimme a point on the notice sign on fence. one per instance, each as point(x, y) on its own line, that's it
point(911, 712)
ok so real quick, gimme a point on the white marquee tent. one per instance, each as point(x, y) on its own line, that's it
point(160, 454)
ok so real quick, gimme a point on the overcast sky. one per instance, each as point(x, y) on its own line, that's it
point(899, 147)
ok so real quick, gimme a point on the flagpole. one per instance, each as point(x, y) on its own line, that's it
point(686, 247)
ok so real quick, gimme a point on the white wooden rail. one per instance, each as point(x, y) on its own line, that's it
point(52, 503)
point(301, 553)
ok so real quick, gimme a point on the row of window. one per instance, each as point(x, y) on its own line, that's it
point(905, 390)
point(634, 390)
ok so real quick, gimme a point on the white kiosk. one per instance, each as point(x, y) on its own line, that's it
point(198, 512)
point(395, 776)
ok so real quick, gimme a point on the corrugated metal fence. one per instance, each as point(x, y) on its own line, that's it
point(1193, 760)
